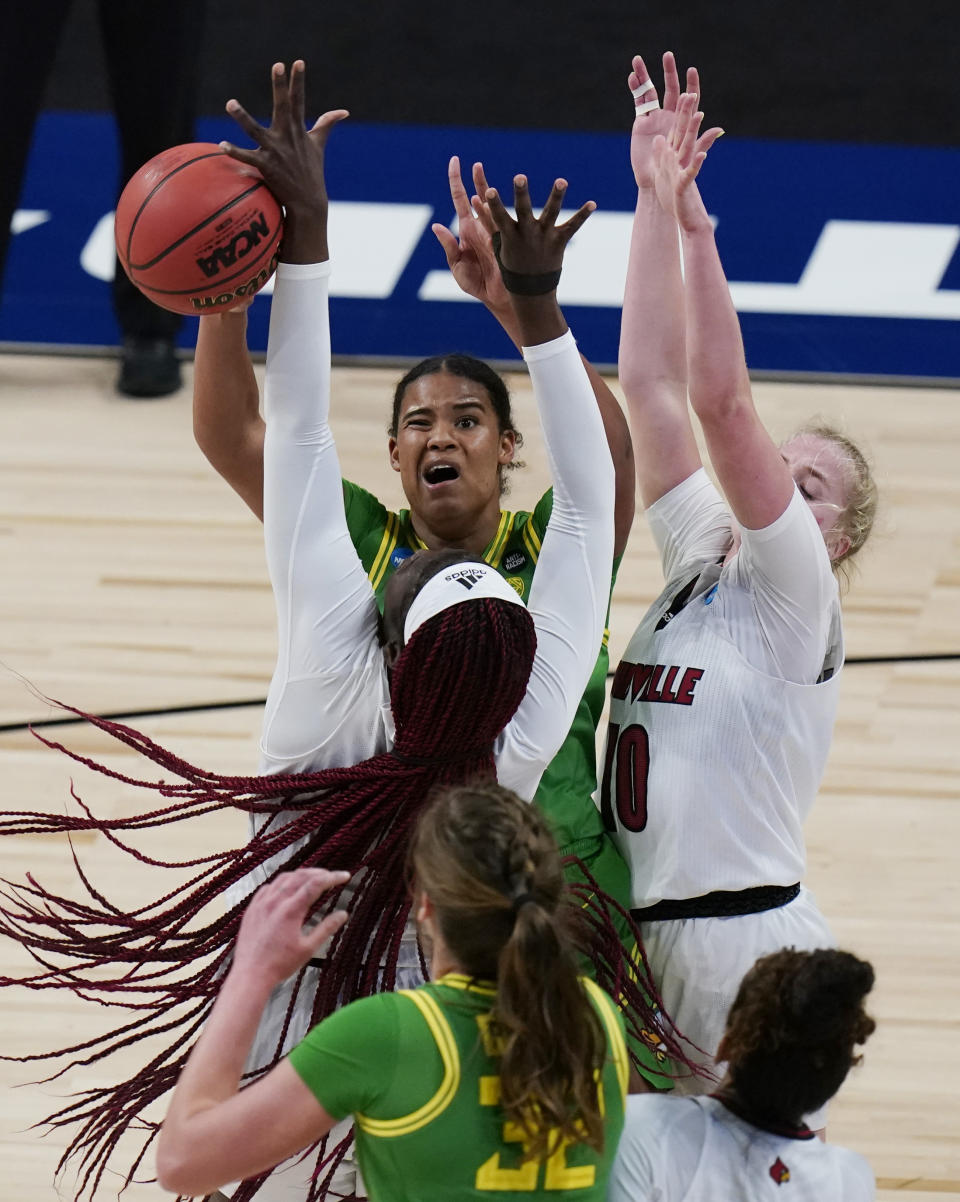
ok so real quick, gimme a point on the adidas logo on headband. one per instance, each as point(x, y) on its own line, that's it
point(448, 588)
point(467, 579)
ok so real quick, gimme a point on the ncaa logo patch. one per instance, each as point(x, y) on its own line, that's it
point(516, 584)
point(399, 555)
point(515, 561)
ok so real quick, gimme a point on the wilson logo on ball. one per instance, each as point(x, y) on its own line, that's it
point(205, 304)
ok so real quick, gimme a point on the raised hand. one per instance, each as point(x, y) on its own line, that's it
point(533, 246)
point(471, 259)
point(650, 120)
point(272, 942)
point(677, 159)
point(530, 252)
point(290, 158)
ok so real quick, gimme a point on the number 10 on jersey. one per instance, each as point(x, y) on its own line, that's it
point(626, 767)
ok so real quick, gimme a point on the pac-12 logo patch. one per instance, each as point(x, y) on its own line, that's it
point(398, 556)
point(514, 561)
point(516, 583)
point(779, 1171)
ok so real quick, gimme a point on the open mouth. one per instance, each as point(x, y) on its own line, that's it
point(440, 473)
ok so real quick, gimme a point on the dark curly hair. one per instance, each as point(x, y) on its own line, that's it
point(792, 1030)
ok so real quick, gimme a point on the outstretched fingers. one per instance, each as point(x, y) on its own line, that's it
point(686, 116)
point(572, 224)
point(688, 127)
point(251, 127)
point(480, 179)
point(458, 193)
point(521, 198)
point(479, 205)
point(679, 157)
point(693, 83)
point(551, 210)
point(645, 98)
point(451, 248)
point(495, 207)
point(691, 145)
point(288, 93)
point(671, 82)
point(322, 127)
point(706, 140)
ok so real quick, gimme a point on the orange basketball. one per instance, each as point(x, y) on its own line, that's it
point(196, 231)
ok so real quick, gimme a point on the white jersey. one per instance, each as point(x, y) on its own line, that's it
point(722, 709)
point(696, 1150)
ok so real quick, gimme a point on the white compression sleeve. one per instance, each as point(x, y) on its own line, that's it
point(325, 606)
point(571, 586)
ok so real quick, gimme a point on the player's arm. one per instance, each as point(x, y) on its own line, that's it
point(652, 358)
point(473, 264)
point(215, 1132)
point(752, 474)
point(325, 607)
point(227, 421)
point(569, 595)
point(226, 405)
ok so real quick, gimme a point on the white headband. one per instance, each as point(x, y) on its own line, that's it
point(460, 582)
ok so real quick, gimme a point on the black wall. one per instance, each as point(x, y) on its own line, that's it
point(843, 70)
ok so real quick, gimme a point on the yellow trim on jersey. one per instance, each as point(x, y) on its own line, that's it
point(605, 641)
point(493, 1039)
point(618, 1046)
point(447, 1047)
point(460, 980)
point(416, 541)
point(388, 544)
point(531, 539)
point(495, 547)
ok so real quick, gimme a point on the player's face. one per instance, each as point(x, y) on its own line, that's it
point(449, 450)
point(820, 472)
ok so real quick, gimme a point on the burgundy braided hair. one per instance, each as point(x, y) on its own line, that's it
point(454, 687)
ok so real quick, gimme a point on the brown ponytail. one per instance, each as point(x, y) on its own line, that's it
point(492, 870)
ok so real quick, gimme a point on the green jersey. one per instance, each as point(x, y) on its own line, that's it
point(418, 1071)
point(384, 540)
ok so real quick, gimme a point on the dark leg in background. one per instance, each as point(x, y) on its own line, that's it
point(153, 54)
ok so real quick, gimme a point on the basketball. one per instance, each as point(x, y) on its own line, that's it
point(197, 231)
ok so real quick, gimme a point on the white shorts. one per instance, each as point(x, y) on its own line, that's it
point(698, 964)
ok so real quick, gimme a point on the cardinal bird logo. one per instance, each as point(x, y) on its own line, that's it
point(779, 1171)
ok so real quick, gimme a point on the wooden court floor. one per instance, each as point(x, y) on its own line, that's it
point(134, 582)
